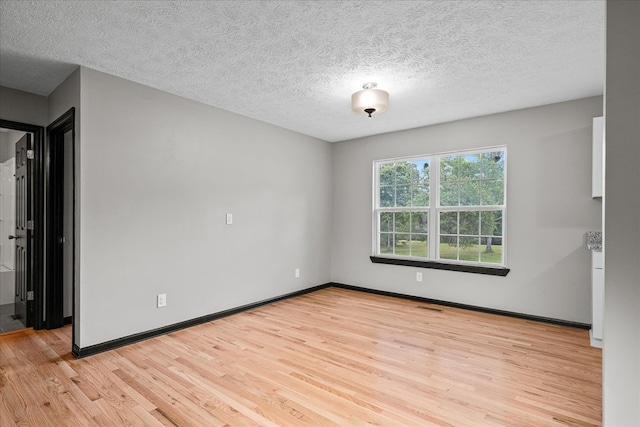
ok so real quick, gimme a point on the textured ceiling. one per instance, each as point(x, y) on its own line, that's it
point(295, 64)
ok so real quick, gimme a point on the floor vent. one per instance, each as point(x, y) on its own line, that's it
point(429, 308)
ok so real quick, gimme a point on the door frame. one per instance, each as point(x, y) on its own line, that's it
point(35, 262)
point(55, 192)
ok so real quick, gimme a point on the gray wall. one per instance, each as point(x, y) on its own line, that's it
point(23, 107)
point(8, 141)
point(64, 97)
point(68, 227)
point(159, 173)
point(549, 202)
point(621, 352)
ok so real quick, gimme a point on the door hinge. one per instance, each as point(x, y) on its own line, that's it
point(30, 155)
point(30, 224)
point(29, 295)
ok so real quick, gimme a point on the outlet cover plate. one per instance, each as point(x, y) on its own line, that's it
point(162, 300)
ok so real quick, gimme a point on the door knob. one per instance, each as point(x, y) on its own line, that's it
point(12, 237)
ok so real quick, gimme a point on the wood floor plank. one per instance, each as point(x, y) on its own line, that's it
point(333, 357)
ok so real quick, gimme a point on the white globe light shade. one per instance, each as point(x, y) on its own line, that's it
point(375, 99)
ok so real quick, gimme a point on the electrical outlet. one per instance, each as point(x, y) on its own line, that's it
point(297, 273)
point(162, 300)
point(229, 219)
point(418, 277)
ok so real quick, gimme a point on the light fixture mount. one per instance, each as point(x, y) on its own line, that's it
point(370, 100)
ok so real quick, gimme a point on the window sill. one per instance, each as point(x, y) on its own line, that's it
point(477, 269)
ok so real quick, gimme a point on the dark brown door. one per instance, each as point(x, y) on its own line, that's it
point(22, 235)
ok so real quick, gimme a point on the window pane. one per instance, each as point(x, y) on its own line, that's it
point(403, 173)
point(449, 168)
point(420, 196)
point(496, 241)
point(469, 167)
point(464, 232)
point(419, 246)
point(493, 165)
point(449, 194)
point(420, 172)
point(386, 197)
point(402, 222)
point(386, 243)
point(419, 222)
point(403, 195)
point(491, 250)
point(402, 245)
point(468, 248)
point(449, 223)
point(386, 221)
point(469, 193)
point(470, 222)
point(448, 247)
point(387, 174)
point(492, 192)
point(491, 223)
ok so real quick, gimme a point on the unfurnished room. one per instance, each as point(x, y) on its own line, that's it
point(329, 213)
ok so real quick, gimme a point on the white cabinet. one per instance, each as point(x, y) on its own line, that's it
point(597, 297)
point(597, 158)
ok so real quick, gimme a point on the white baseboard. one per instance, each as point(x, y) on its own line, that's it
point(595, 342)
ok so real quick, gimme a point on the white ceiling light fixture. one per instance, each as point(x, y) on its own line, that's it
point(370, 100)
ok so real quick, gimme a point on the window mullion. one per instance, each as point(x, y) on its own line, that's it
point(434, 191)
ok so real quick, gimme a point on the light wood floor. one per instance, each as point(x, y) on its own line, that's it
point(330, 358)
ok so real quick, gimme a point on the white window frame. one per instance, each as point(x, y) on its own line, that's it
point(434, 210)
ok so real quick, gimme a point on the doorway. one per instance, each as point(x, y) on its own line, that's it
point(13, 297)
point(22, 226)
point(60, 217)
point(48, 221)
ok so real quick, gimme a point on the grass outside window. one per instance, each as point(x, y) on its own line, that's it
point(419, 249)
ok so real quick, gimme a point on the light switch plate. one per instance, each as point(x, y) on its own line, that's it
point(229, 219)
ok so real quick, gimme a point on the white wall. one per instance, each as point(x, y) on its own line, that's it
point(159, 173)
point(8, 139)
point(621, 351)
point(549, 202)
point(7, 213)
point(7, 227)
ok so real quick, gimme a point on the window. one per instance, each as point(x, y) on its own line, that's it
point(447, 208)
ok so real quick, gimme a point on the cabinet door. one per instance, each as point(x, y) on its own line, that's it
point(598, 302)
point(597, 157)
